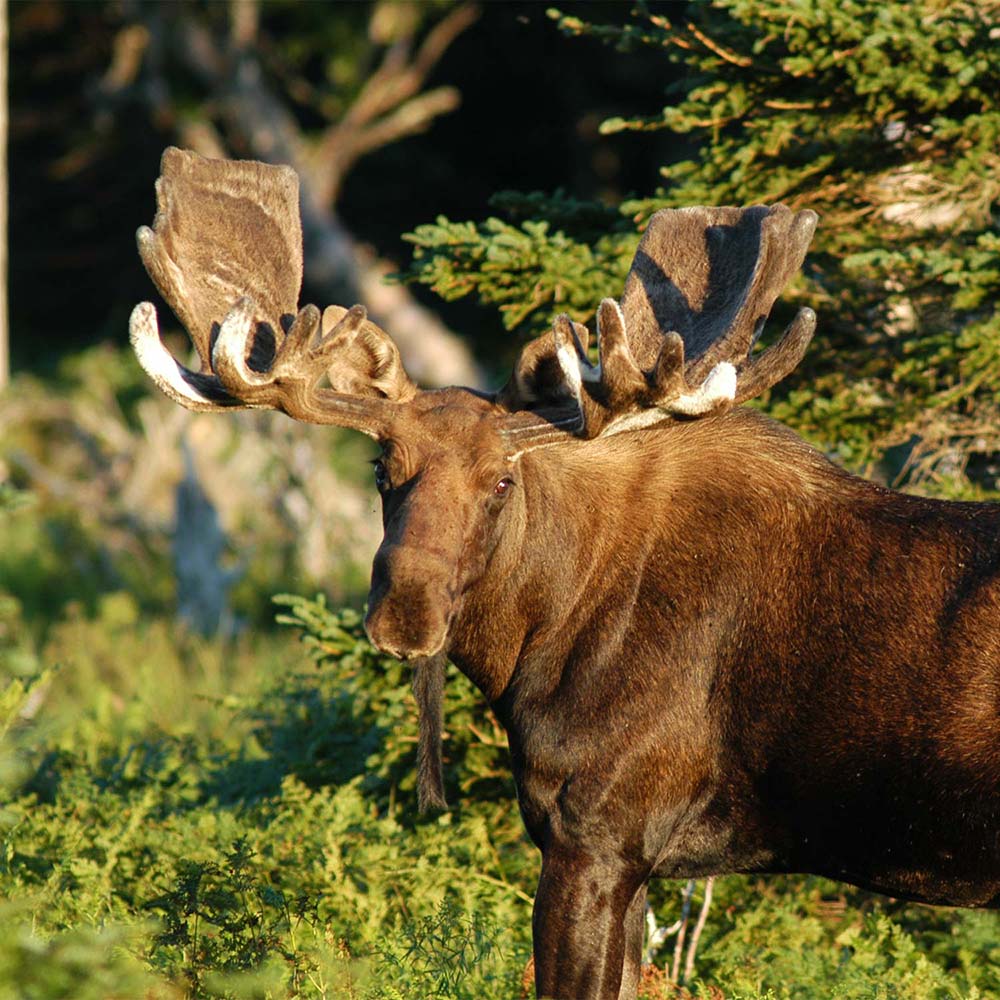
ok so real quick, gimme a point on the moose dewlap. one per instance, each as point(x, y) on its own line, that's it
point(712, 650)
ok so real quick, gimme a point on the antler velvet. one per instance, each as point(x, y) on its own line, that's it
point(701, 285)
point(225, 251)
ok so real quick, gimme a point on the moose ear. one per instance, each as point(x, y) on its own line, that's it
point(367, 362)
point(538, 378)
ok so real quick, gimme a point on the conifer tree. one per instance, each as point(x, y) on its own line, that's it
point(885, 119)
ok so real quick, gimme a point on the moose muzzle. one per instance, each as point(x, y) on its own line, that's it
point(411, 601)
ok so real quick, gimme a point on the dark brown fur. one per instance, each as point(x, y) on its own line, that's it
point(713, 651)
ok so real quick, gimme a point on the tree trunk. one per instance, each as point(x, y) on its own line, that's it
point(4, 330)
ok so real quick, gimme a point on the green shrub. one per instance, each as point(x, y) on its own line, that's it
point(265, 842)
point(257, 843)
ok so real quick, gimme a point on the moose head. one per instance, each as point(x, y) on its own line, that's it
point(225, 251)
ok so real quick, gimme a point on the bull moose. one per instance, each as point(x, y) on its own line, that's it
point(712, 650)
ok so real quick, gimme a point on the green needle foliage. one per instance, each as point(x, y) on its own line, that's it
point(885, 119)
point(266, 846)
point(530, 272)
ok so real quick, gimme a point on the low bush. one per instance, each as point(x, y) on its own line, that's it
point(246, 827)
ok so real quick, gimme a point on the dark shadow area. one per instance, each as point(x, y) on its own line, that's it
point(83, 163)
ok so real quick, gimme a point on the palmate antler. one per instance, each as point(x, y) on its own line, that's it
point(225, 251)
point(679, 345)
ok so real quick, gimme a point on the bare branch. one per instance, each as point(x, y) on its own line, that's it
point(723, 53)
point(398, 78)
point(127, 50)
point(244, 22)
point(389, 106)
point(409, 118)
point(698, 928)
point(675, 969)
point(440, 37)
point(203, 137)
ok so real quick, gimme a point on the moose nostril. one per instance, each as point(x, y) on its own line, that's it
point(407, 621)
point(380, 578)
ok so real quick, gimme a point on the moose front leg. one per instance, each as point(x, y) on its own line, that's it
point(586, 934)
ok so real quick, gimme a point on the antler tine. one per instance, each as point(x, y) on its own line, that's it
point(572, 358)
point(768, 368)
point(620, 374)
point(194, 390)
point(668, 372)
point(229, 354)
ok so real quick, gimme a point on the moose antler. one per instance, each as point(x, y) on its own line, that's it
point(225, 251)
point(699, 290)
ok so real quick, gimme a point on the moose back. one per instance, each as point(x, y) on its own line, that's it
point(712, 650)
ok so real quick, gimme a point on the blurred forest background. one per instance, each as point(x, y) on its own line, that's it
point(199, 799)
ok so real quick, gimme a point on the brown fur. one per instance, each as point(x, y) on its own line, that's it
point(713, 651)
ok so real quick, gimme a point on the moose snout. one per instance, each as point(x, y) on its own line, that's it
point(409, 604)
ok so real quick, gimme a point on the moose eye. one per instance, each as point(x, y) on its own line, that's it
point(502, 488)
point(381, 474)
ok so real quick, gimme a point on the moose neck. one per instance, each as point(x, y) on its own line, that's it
point(699, 558)
point(599, 519)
